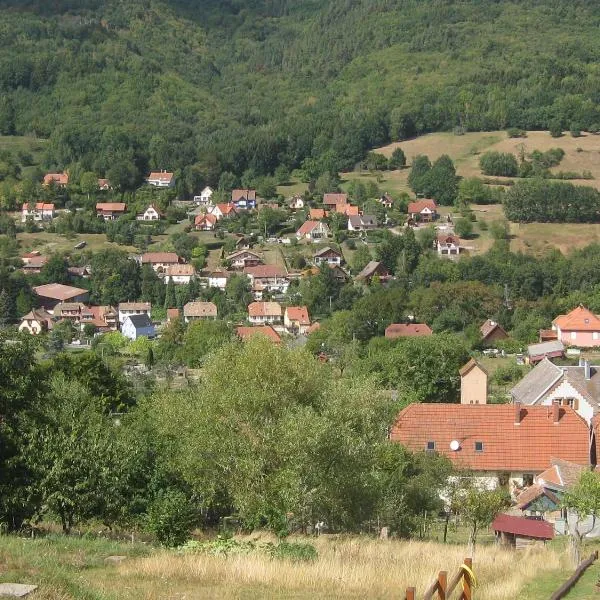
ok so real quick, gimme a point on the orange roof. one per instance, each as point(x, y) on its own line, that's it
point(39, 206)
point(316, 214)
point(529, 445)
point(265, 271)
point(314, 327)
point(264, 309)
point(172, 313)
point(298, 313)
point(247, 332)
point(160, 176)
point(579, 319)
point(58, 291)
point(448, 239)
point(181, 270)
point(111, 206)
point(396, 330)
point(59, 178)
point(159, 257)
point(200, 219)
point(335, 198)
point(243, 194)
point(307, 227)
point(226, 208)
point(346, 209)
point(200, 309)
point(421, 205)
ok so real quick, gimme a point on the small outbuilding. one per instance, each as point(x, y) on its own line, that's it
point(520, 532)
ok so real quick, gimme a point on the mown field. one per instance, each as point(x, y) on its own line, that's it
point(346, 567)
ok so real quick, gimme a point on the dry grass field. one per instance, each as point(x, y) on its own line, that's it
point(347, 567)
point(48, 243)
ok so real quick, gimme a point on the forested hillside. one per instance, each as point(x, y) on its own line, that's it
point(210, 86)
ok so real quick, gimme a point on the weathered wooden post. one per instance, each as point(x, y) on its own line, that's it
point(410, 593)
point(442, 584)
point(468, 584)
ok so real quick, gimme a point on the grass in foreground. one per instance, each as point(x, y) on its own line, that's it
point(347, 567)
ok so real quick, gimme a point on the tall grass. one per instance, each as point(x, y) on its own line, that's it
point(351, 567)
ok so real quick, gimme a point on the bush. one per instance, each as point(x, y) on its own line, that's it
point(171, 518)
point(294, 551)
point(575, 130)
point(508, 374)
point(515, 132)
point(499, 164)
point(463, 228)
point(555, 130)
point(483, 226)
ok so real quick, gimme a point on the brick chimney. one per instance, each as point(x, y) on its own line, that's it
point(588, 370)
point(517, 413)
point(555, 412)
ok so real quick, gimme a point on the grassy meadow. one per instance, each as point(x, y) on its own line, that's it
point(347, 567)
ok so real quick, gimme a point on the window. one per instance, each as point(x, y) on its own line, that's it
point(478, 446)
point(527, 479)
point(573, 335)
point(430, 445)
point(595, 335)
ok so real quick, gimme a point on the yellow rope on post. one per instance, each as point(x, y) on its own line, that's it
point(471, 575)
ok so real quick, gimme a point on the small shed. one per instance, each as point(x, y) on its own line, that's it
point(520, 532)
point(537, 352)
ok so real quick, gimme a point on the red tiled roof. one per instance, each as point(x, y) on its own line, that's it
point(264, 309)
point(111, 206)
point(247, 332)
point(201, 219)
point(579, 319)
point(316, 214)
point(226, 208)
point(346, 209)
point(265, 271)
point(307, 227)
point(490, 326)
point(529, 446)
point(314, 327)
point(172, 313)
point(298, 313)
point(200, 309)
point(335, 198)
point(521, 526)
point(420, 205)
point(160, 176)
point(396, 330)
point(180, 270)
point(243, 194)
point(548, 334)
point(159, 257)
point(448, 239)
point(39, 206)
point(58, 291)
point(59, 178)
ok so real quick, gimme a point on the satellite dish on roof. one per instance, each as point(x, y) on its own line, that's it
point(454, 445)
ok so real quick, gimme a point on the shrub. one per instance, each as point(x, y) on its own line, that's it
point(463, 228)
point(294, 551)
point(499, 164)
point(483, 226)
point(515, 132)
point(555, 130)
point(508, 374)
point(171, 518)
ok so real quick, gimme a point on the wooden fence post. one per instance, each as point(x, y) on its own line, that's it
point(410, 593)
point(442, 584)
point(468, 588)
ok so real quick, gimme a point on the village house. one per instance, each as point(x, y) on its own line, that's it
point(218, 279)
point(373, 269)
point(245, 333)
point(51, 294)
point(296, 319)
point(159, 261)
point(58, 179)
point(243, 258)
point(104, 185)
point(205, 222)
point(172, 314)
point(361, 222)
point(267, 278)
point(150, 214)
point(136, 326)
point(401, 330)
point(500, 444)
point(180, 274)
point(386, 201)
point(317, 214)
point(313, 230)
point(36, 321)
point(161, 179)
point(331, 200)
point(205, 197)
point(70, 311)
point(128, 309)
point(243, 199)
point(520, 532)
point(447, 245)
point(327, 255)
point(103, 318)
point(195, 311)
point(492, 332)
point(110, 211)
point(223, 211)
point(33, 264)
point(260, 313)
point(580, 328)
point(349, 210)
point(82, 272)
point(296, 203)
point(575, 386)
point(38, 211)
point(537, 352)
point(422, 211)
point(473, 383)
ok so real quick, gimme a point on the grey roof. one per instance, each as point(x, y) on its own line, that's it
point(140, 321)
point(545, 348)
point(370, 269)
point(536, 382)
point(589, 388)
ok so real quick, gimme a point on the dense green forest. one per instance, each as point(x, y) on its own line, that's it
point(210, 86)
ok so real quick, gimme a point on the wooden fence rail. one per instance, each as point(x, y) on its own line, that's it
point(444, 590)
point(566, 587)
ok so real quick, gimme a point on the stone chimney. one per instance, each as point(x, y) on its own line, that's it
point(517, 413)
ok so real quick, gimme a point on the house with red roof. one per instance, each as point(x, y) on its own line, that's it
point(317, 214)
point(36, 321)
point(491, 331)
point(161, 179)
point(37, 211)
point(51, 294)
point(333, 199)
point(245, 333)
point(313, 230)
point(580, 327)
point(260, 313)
point(58, 179)
point(205, 222)
point(243, 199)
point(500, 444)
point(223, 210)
point(160, 261)
point(243, 258)
point(520, 532)
point(267, 278)
point(296, 319)
point(110, 211)
point(423, 211)
point(447, 244)
point(398, 330)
